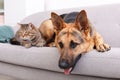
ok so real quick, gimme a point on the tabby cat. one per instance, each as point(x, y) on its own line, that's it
point(28, 35)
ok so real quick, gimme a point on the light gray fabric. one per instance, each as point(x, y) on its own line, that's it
point(93, 63)
point(5, 77)
point(27, 73)
point(106, 21)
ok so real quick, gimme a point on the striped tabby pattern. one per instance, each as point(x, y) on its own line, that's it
point(28, 35)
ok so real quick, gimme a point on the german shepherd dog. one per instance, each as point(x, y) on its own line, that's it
point(74, 35)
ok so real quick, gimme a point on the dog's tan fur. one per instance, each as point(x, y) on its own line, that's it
point(80, 33)
point(46, 29)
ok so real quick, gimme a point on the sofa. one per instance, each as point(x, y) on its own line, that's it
point(41, 63)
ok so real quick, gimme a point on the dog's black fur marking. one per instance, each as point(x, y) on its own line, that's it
point(70, 17)
point(76, 60)
point(63, 15)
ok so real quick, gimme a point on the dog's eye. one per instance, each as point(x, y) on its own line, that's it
point(61, 44)
point(73, 44)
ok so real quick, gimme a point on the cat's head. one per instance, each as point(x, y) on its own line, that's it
point(28, 26)
point(27, 32)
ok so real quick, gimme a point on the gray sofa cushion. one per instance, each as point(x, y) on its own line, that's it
point(93, 63)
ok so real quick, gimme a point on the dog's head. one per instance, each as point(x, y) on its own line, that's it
point(72, 39)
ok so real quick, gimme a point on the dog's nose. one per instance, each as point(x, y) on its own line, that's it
point(63, 64)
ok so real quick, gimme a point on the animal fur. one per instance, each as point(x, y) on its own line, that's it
point(28, 35)
point(75, 35)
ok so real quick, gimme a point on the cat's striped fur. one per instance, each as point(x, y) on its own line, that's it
point(28, 35)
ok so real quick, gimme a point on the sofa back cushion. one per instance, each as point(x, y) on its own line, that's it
point(105, 19)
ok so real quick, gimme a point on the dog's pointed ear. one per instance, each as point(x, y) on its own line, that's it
point(81, 20)
point(57, 22)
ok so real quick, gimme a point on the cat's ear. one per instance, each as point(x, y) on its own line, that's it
point(19, 24)
point(32, 25)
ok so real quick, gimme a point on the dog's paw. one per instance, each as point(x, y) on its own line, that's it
point(103, 47)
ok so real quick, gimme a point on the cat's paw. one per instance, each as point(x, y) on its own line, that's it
point(27, 45)
point(40, 44)
point(103, 47)
point(52, 44)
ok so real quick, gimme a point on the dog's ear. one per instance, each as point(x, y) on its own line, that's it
point(57, 22)
point(81, 21)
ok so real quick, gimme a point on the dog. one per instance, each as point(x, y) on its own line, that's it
point(73, 35)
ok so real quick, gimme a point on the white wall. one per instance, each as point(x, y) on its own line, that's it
point(34, 6)
point(60, 4)
point(14, 11)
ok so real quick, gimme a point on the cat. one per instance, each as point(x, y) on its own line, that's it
point(28, 35)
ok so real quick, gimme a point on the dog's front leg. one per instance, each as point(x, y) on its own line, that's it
point(99, 43)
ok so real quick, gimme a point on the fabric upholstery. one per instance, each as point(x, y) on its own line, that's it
point(106, 21)
point(93, 63)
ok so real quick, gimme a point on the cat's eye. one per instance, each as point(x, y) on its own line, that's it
point(73, 44)
point(61, 45)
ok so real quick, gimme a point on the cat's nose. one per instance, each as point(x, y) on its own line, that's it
point(23, 35)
